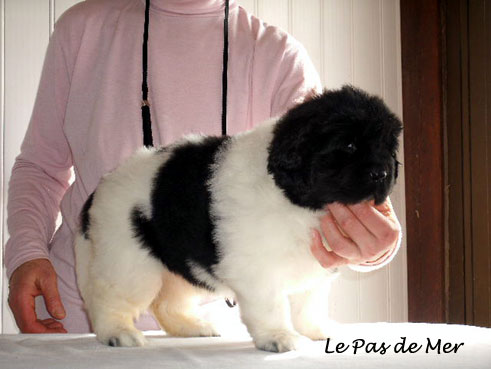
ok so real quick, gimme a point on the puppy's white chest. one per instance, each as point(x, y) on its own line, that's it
point(259, 232)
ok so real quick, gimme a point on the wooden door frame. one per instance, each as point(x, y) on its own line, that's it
point(467, 100)
point(445, 86)
point(422, 77)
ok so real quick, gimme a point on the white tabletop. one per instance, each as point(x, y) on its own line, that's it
point(237, 351)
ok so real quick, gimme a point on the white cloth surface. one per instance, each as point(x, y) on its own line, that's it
point(237, 351)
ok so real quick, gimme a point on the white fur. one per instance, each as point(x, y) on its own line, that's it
point(111, 265)
point(264, 254)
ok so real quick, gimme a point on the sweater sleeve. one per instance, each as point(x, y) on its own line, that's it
point(41, 171)
point(297, 79)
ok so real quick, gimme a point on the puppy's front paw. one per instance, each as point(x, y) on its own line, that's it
point(280, 341)
point(122, 338)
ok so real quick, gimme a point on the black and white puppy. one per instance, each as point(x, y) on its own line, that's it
point(232, 216)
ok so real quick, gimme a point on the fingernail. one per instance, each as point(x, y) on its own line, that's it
point(59, 313)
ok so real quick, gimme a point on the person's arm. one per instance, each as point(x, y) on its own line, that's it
point(39, 180)
point(297, 79)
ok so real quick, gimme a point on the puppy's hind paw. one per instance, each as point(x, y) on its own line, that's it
point(208, 330)
point(123, 338)
point(314, 332)
point(199, 328)
point(185, 326)
point(282, 341)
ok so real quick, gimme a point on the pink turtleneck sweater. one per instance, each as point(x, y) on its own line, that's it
point(87, 113)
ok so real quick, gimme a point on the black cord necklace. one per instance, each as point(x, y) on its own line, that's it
point(146, 118)
point(147, 122)
point(225, 70)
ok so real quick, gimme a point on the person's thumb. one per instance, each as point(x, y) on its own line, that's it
point(49, 289)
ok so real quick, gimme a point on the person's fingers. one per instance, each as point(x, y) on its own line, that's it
point(53, 326)
point(338, 242)
point(56, 330)
point(377, 220)
point(22, 304)
point(49, 289)
point(34, 278)
point(47, 321)
point(361, 235)
point(327, 259)
point(385, 208)
point(27, 321)
point(51, 323)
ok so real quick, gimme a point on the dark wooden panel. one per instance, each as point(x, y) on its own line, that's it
point(468, 159)
point(456, 115)
point(423, 156)
point(488, 133)
point(479, 78)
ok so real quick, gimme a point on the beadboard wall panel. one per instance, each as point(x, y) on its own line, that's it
point(2, 176)
point(349, 41)
point(26, 35)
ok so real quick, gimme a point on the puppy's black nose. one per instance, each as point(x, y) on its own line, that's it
point(378, 175)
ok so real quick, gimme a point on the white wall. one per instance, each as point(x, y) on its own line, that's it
point(349, 41)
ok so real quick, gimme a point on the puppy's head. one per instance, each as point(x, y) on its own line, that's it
point(340, 146)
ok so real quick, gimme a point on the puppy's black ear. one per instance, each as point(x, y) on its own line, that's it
point(285, 155)
point(290, 161)
point(287, 149)
point(290, 144)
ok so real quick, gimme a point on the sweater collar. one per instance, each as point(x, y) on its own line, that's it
point(191, 7)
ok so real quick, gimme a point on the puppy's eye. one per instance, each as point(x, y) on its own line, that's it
point(351, 148)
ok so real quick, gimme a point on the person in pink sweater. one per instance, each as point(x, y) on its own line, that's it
point(87, 118)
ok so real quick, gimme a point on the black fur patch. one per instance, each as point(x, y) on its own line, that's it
point(84, 216)
point(180, 229)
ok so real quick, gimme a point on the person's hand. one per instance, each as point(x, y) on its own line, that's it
point(34, 278)
point(361, 234)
